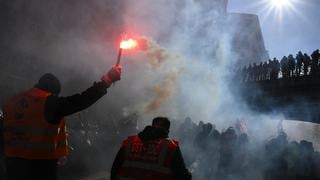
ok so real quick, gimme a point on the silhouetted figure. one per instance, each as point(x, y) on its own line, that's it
point(214, 135)
point(307, 166)
point(315, 62)
point(255, 72)
point(201, 143)
point(199, 128)
point(265, 70)
point(250, 73)
point(228, 142)
point(186, 130)
point(292, 65)
point(241, 155)
point(275, 69)
point(293, 157)
point(201, 140)
point(270, 66)
point(213, 152)
point(284, 67)
point(299, 58)
point(259, 71)
point(186, 134)
point(276, 166)
point(306, 64)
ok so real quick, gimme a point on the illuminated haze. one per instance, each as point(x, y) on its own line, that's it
point(194, 76)
point(185, 71)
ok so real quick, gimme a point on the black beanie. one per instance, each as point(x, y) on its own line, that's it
point(49, 82)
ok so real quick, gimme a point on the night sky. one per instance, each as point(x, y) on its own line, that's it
point(298, 29)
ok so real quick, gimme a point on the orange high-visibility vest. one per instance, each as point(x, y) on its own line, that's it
point(148, 160)
point(27, 133)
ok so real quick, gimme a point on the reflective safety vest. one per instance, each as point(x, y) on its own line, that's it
point(147, 161)
point(27, 133)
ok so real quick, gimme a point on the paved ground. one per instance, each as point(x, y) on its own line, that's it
point(98, 176)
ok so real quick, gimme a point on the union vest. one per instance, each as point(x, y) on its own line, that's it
point(27, 133)
point(149, 160)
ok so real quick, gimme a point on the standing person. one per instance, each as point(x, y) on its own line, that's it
point(284, 67)
point(276, 67)
point(250, 73)
point(226, 166)
point(292, 65)
point(299, 58)
point(150, 155)
point(315, 62)
point(35, 136)
point(255, 71)
point(260, 71)
point(306, 63)
point(265, 71)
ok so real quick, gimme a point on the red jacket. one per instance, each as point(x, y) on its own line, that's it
point(147, 160)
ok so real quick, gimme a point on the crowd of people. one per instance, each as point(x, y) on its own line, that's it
point(229, 155)
point(209, 153)
point(289, 66)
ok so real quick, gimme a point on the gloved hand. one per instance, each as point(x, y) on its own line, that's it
point(113, 75)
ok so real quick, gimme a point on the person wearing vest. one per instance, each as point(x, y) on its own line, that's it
point(34, 129)
point(150, 155)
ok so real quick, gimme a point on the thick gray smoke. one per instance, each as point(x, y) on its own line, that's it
point(198, 50)
point(190, 74)
point(193, 73)
point(186, 68)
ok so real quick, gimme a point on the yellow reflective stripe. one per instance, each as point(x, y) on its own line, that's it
point(30, 130)
point(62, 130)
point(32, 145)
point(147, 166)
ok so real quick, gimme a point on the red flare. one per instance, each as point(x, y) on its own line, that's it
point(128, 44)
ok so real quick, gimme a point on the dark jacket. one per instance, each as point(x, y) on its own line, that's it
point(178, 167)
point(58, 107)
